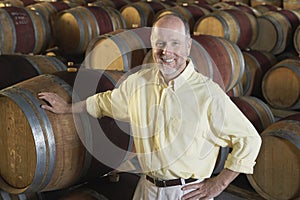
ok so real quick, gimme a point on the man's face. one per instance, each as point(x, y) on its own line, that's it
point(170, 48)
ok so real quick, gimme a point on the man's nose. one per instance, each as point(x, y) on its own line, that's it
point(166, 49)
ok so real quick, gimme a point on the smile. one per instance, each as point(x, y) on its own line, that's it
point(168, 60)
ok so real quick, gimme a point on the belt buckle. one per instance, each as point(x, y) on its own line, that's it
point(164, 183)
point(160, 183)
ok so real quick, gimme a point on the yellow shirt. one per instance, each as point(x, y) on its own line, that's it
point(178, 128)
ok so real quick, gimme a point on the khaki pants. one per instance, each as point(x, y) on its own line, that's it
point(146, 190)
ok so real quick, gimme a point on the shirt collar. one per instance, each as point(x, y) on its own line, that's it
point(181, 79)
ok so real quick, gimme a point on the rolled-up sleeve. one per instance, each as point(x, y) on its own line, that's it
point(92, 106)
point(229, 125)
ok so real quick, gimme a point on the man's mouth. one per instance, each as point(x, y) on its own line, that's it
point(168, 60)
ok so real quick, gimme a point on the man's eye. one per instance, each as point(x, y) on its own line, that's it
point(159, 44)
point(175, 43)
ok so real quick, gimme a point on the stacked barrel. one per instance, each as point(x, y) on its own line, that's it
point(76, 48)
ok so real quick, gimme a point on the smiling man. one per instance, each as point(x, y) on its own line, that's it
point(179, 121)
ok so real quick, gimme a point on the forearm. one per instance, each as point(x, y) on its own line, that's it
point(78, 107)
point(225, 177)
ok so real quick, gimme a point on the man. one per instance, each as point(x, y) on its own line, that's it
point(179, 120)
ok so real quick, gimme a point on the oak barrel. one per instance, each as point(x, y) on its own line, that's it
point(281, 84)
point(291, 4)
point(16, 3)
point(277, 3)
point(245, 7)
point(228, 59)
point(233, 24)
point(257, 64)
point(258, 112)
point(74, 28)
point(19, 67)
point(237, 90)
point(141, 14)
point(246, 2)
point(117, 4)
point(263, 8)
point(25, 31)
point(119, 50)
point(277, 166)
point(49, 11)
point(274, 33)
point(190, 12)
point(42, 151)
point(296, 40)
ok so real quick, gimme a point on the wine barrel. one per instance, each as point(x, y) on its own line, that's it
point(291, 4)
point(119, 50)
point(49, 11)
point(257, 64)
point(228, 59)
point(84, 23)
point(244, 7)
point(246, 2)
point(274, 33)
point(232, 24)
point(258, 112)
point(190, 12)
point(141, 14)
point(104, 3)
point(237, 90)
point(223, 6)
point(16, 3)
point(42, 151)
point(203, 4)
point(293, 17)
point(16, 68)
point(277, 166)
point(25, 31)
point(277, 3)
point(117, 4)
point(281, 84)
point(296, 39)
point(263, 8)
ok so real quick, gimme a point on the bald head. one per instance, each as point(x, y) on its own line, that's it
point(174, 22)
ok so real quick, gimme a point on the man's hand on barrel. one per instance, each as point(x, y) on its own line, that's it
point(55, 103)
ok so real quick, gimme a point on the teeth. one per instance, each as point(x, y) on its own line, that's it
point(169, 60)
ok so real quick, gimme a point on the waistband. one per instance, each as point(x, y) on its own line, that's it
point(171, 182)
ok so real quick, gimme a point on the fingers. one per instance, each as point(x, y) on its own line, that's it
point(47, 96)
point(46, 107)
point(204, 190)
point(194, 194)
point(194, 186)
point(54, 102)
